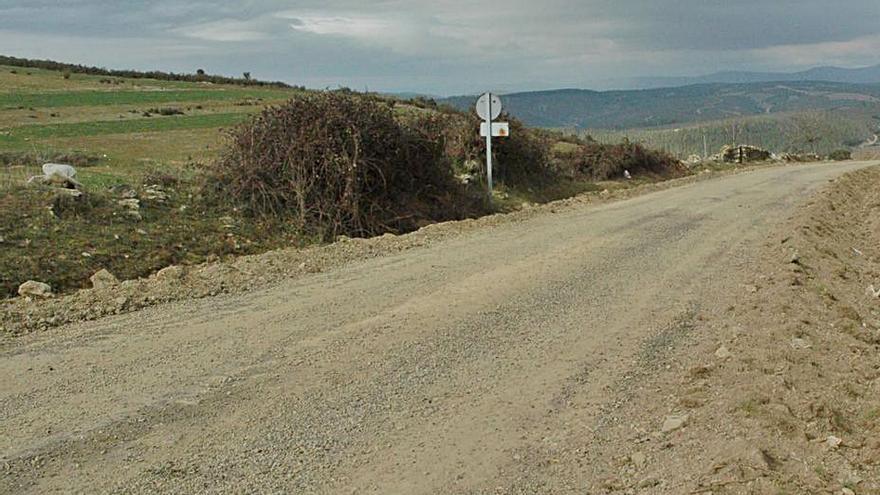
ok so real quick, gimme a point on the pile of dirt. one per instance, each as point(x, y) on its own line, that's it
point(780, 391)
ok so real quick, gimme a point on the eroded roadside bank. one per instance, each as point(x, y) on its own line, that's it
point(779, 392)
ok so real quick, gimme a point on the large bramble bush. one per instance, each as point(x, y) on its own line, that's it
point(334, 164)
point(608, 161)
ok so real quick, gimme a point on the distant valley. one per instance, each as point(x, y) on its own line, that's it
point(863, 75)
point(586, 109)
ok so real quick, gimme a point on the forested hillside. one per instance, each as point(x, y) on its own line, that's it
point(820, 132)
point(584, 109)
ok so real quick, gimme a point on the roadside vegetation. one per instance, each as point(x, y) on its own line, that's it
point(177, 173)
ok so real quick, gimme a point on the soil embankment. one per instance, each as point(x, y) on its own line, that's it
point(780, 387)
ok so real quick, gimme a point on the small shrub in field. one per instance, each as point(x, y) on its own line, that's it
point(165, 111)
point(332, 163)
point(840, 155)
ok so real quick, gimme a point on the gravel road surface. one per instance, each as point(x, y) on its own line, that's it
point(436, 370)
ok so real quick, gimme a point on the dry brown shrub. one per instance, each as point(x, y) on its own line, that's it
point(606, 161)
point(336, 164)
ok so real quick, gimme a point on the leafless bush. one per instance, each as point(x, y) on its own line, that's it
point(335, 164)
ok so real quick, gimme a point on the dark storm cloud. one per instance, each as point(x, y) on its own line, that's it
point(743, 24)
point(446, 46)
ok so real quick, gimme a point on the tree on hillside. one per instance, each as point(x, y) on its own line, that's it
point(810, 128)
point(734, 132)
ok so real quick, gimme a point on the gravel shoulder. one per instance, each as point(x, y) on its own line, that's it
point(542, 355)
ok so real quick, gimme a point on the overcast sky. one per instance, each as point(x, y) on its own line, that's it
point(446, 46)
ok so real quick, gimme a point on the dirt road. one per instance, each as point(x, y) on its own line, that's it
point(438, 370)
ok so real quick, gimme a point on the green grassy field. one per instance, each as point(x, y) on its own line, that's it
point(22, 134)
point(43, 115)
point(128, 97)
point(43, 112)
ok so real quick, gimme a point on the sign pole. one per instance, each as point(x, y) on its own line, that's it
point(489, 108)
point(489, 143)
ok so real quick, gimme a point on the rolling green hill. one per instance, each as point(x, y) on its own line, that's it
point(861, 75)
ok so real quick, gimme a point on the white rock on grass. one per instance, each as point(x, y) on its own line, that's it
point(32, 288)
point(57, 174)
point(833, 442)
point(63, 170)
point(73, 193)
point(132, 208)
point(103, 279)
point(130, 204)
point(155, 193)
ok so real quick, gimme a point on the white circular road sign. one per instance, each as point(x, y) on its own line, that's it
point(483, 106)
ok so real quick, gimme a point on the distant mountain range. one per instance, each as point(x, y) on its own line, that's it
point(865, 75)
point(585, 109)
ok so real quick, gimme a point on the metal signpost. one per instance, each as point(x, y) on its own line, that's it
point(489, 108)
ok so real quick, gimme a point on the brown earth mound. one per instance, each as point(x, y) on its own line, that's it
point(780, 391)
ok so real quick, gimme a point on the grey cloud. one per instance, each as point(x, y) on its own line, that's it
point(446, 46)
